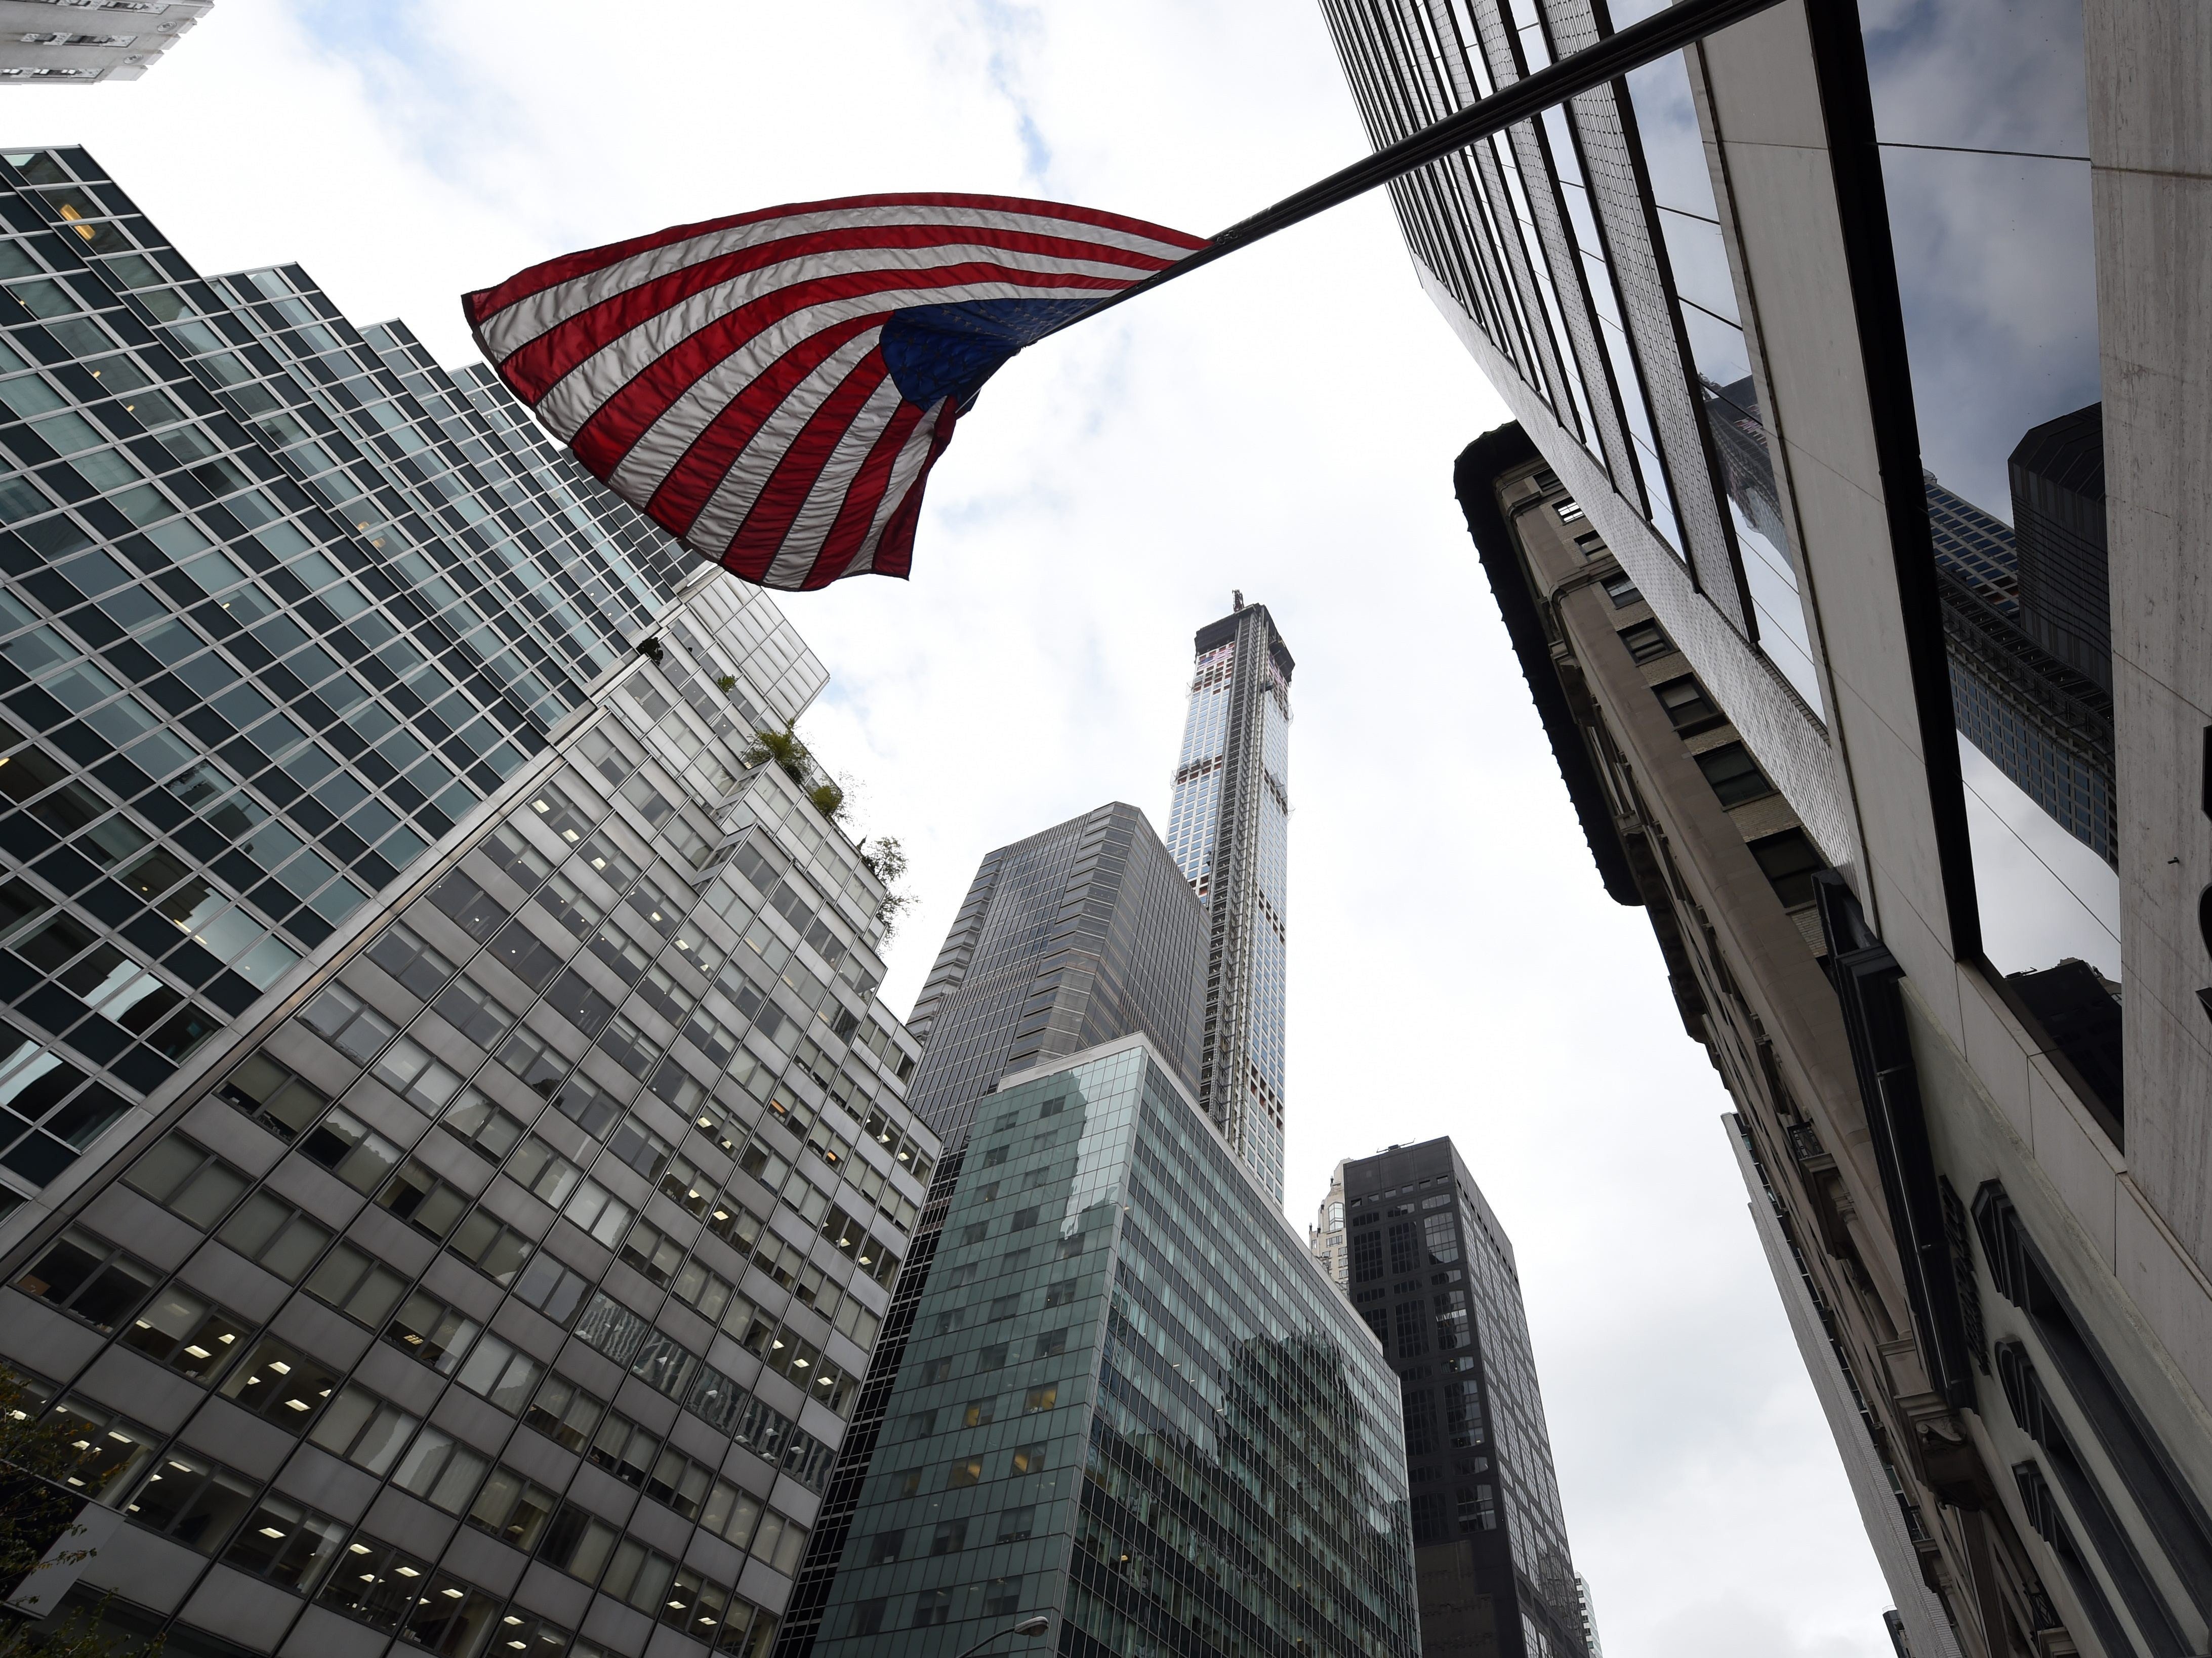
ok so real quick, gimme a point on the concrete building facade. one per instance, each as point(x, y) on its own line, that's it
point(450, 1126)
point(1835, 201)
point(1433, 1274)
point(71, 42)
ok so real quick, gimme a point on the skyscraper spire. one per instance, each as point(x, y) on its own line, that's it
point(1229, 828)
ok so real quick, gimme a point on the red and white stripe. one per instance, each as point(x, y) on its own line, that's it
point(727, 379)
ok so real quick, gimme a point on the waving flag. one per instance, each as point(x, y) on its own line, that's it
point(773, 388)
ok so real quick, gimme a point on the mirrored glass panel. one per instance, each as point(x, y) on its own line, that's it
point(1676, 159)
point(1980, 108)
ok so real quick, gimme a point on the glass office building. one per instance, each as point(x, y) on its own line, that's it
point(1228, 826)
point(1066, 939)
point(2045, 725)
point(284, 603)
point(1069, 938)
point(457, 1161)
point(1130, 1401)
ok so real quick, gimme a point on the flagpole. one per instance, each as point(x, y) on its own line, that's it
point(1670, 30)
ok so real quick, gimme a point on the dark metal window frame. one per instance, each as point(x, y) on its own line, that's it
point(1870, 263)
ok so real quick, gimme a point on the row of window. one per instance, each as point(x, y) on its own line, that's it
point(93, 1279)
point(1290, 1412)
point(433, 1205)
point(220, 1512)
point(119, 374)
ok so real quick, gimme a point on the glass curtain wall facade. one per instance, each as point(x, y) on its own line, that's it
point(1131, 1402)
point(1228, 826)
point(1583, 250)
point(1074, 936)
point(1432, 1273)
point(1068, 938)
point(456, 1160)
point(283, 605)
point(2006, 385)
point(1602, 218)
point(2046, 726)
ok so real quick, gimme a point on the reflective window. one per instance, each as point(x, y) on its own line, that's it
point(1981, 109)
point(1677, 165)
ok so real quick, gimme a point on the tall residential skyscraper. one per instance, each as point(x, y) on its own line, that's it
point(2015, 1261)
point(1131, 1401)
point(1433, 1274)
point(1078, 935)
point(1229, 828)
point(449, 1125)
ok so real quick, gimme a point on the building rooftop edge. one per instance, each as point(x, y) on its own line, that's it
point(1473, 477)
point(1460, 1172)
point(1216, 633)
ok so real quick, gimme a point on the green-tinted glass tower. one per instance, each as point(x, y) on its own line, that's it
point(1130, 1401)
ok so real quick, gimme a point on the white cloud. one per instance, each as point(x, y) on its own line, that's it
point(1284, 423)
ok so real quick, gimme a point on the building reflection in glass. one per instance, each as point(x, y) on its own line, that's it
point(1711, 327)
point(1981, 113)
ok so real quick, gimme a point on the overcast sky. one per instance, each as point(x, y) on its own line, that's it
point(1284, 423)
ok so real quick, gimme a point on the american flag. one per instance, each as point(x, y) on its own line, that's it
point(773, 388)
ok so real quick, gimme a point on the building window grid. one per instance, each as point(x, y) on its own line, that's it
point(1510, 231)
point(375, 424)
point(141, 278)
point(1496, 164)
point(1163, 1216)
point(1623, 362)
point(365, 1073)
point(1424, 231)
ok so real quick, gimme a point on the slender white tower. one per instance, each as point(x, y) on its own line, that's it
point(1229, 828)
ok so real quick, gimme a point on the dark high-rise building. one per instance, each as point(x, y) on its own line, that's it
point(2058, 474)
point(2040, 720)
point(1131, 1401)
point(1916, 248)
point(1432, 1273)
point(2047, 725)
point(449, 1127)
point(1078, 935)
point(1229, 828)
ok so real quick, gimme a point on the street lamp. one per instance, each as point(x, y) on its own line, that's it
point(1036, 1625)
